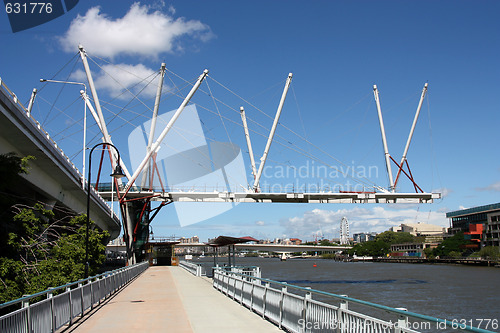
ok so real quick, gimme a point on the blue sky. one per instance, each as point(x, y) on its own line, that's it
point(336, 50)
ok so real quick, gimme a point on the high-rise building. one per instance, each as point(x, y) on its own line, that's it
point(479, 224)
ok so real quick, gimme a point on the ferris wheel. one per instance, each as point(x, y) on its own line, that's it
point(344, 231)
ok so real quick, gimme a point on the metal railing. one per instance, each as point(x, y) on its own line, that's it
point(253, 271)
point(200, 270)
point(299, 312)
point(64, 303)
point(195, 269)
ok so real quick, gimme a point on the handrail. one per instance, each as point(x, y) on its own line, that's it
point(56, 310)
point(448, 323)
point(51, 290)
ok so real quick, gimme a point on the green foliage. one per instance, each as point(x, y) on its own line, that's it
point(391, 237)
point(490, 252)
point(376, 248)
point(12, 165)
point(325, 242)
point(38, 249)
point(452, 244)
point(47, 253)
point(455, 254)
point(428, 253)
point(382, 244)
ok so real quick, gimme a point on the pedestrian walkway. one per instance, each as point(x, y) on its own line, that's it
point(170, 299)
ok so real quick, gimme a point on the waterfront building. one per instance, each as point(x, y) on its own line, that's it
point(190, 240)
point(419, 229)
point(479, 224)
point(364, 237)
point(413, 249)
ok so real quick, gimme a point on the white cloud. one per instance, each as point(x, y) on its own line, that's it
point(495, 187)
point(260, 223)
point(141, 31)
point(376, 219)
point(116, 79)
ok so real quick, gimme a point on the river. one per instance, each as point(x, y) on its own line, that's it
point(455, 292)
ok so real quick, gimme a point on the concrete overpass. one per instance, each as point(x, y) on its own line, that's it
point(278, 248)
point(290, 248)
point(52, 178)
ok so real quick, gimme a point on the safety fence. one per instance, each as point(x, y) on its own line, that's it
point(297, 311)
point(195, 269)
point(64, 303)
point(201, 270)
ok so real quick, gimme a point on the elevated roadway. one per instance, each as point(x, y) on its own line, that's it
point(278, 248)
point(290, 248)
point(52, 178)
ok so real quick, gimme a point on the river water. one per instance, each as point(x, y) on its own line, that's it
point(468, 294)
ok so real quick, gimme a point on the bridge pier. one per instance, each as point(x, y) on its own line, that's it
point(136, 224)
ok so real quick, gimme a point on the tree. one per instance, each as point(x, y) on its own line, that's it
point(325, 242)
point(46, 252)
point(391, 237)
point(39, 248)
point(452, 244)
point(490, 252)
point(376, 248)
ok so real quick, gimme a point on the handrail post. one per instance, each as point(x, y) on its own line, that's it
point(344, 305)
point(252, 281)
point(91, 294)
point(68, 290)
point(80, 286)
point(26, 304)
point(402, 321)
point(282, 298)
point(307, 298)
point(50, 296)
point(242, 290)
point(264, 299)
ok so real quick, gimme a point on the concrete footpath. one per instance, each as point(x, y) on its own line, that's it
point(170, 299)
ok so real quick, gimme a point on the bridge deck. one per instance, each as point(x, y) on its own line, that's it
point(170, 299)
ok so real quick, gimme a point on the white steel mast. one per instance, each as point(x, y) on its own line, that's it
point(417, 113)
point(153, 123)
point(271, 134)
point(384, 140)
point(249, 143)
point(101, 122)
point(167, 128)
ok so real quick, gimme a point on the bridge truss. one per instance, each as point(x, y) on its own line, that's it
point(138, 194)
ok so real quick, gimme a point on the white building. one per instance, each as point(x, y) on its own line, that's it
point(419, 229)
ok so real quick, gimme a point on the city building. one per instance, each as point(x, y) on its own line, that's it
point(479, 224)
point(420, 229)
point(190, 240)
point(413, 249)
point(364, 237)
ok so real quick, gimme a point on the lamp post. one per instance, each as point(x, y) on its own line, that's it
point(117, 173)
point(84, 95)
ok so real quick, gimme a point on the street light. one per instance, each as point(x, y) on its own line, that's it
point(84, 96)
point(117, 173)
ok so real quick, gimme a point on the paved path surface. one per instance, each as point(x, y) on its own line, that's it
point(170, 299)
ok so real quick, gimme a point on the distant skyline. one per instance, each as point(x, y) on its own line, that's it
point(336, 50)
